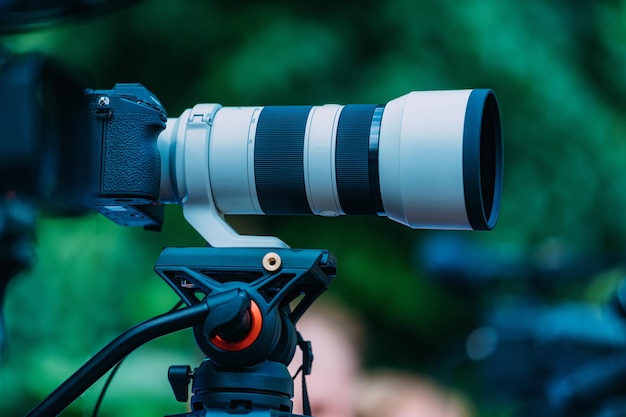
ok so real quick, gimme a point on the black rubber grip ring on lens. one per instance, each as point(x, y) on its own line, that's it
point(278, 160)
point(352, 161)
point(482, 159)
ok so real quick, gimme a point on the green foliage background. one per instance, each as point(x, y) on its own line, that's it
point(558, 69)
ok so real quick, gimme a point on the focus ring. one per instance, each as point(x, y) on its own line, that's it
point(352, 158)
point(278, 160)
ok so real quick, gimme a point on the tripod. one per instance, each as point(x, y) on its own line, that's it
point(243, 304)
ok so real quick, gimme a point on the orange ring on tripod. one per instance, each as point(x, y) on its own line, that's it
point(256, 323)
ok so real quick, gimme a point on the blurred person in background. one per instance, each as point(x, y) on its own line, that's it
point(398, 394)
point(337, 339)
point(339, 387)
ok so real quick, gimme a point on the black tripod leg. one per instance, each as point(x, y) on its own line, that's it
point(115, 351)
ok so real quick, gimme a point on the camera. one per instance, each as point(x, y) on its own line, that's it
point(124, 124)
point(43, 152)
point(426, 160)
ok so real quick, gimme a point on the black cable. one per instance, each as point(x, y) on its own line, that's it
point(96, 408)
point(114, 352)
point(305, 368)
point(306, 404)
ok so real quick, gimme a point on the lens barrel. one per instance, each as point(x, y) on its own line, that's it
point(426, 159)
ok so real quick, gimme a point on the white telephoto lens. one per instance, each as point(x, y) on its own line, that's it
point(428, 160)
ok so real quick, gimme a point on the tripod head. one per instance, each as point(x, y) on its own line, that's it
point(251, 337)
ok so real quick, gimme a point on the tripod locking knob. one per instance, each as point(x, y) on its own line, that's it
point(179, 376)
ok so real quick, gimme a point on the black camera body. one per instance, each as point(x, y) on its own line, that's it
point(124, 125)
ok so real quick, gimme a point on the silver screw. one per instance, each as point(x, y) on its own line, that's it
point(103, 101)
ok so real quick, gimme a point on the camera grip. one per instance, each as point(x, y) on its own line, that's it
point(130, 156)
